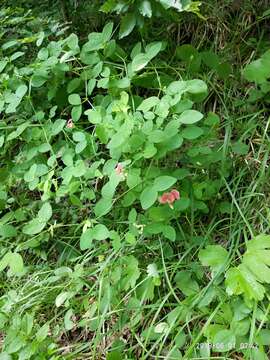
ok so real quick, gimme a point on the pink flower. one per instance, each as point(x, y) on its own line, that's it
point(169, 198)
point(70, 124)
point(119, 169)
point(176, 194)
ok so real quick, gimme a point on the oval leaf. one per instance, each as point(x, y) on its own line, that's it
point(162, 183)
point(148, 197)
point(190, 117)
point(127, 25)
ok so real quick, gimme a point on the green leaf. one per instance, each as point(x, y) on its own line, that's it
point(3, 64)
point(114, 355)
point(224, 70)
point(149, 151)
point(241, 281)
point(130, 238)
point(100, 232)
point(257, 258)
point(137, 49)
point(72, 41)
point(5, 261)
point(43, 54)
point(248, 277)
point(172, 128)
point(210, 59)
point(162, 109)
point(43, 148)
point(109, 188)
point(14, 261)
point(116, 240)
point(21, 91)
point(102, 134)
point(28, 322)
point(133, 178)
point(45, 213)
point(94, 116)
point(263, 338)
point(192, 132)
point(182, 204)
point(107, 6)
point(148, 197)
point(190, 56)
point(161, 328)
point(74, 99)
point(212, 119)
point(152, 49)
point(39, 78)
point(80, 147)
point(40, 38)
point(78, 136)
point(9, 44)
point(157, 136)
point(154, 228)
point(120, 137)
point(68, 320)
point(214, 256)
point(145, 8)
point(95, 42)
point(169, 232)
point(176, 88)
point(159, 214)
point(186, 52)
point(16, 55)
point(30, 174)
point(127, 25)
point(208, 297)
point(18, 131)
point(224, 340)
point(86, 239)
point(139, 62)
point(258, 70)
point(90, 86)
point(176, 4)
point(73, 85)
point(240, 148)
point(152, 271)
point(258, 353)
point(107, 32)
point(102, 207)
point(14, 101)
point(35, 226)
point(58, 126)
point(240, 328)
point(186, 283)
point(2, 140)
point(132, 272)
point(196, 87)
point(76, 112)
point(123, 83)
point(16, 264)
point(162, 183)
point(42, 333)
point(61, 298)
point(148, 103)
point(7, 231)
point(190, 117)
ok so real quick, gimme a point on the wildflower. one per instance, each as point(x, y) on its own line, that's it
point(119, 169)
point(176, 194)
point(70, 124)
point(169, 198)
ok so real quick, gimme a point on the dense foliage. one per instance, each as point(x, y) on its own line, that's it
point(134, 193)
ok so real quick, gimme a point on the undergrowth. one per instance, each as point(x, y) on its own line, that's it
point(134, 193)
